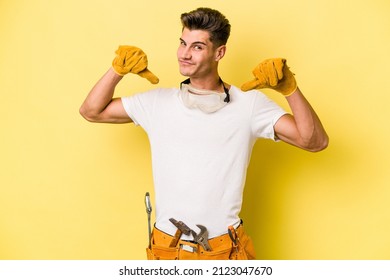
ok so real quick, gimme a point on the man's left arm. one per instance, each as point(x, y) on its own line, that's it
point(303, 128)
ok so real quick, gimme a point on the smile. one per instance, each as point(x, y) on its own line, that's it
point(185, 63)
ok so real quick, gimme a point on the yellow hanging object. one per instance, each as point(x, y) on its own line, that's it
point(275, 74)
point(131, 59)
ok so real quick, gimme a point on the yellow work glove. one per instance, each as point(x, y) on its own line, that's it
point(272, 73)
point(131, 59)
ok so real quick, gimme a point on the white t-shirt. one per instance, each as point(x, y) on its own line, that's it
point(200, 160)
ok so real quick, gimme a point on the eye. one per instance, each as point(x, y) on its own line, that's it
point(198, 47)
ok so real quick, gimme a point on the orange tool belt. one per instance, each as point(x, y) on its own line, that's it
point(222, 247)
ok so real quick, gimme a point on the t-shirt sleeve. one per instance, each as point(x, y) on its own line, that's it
point(264, 116)
point(140, 107)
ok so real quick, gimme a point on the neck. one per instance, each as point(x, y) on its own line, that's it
point(210, 83)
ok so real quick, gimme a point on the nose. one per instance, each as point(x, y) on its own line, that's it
point(184, 53)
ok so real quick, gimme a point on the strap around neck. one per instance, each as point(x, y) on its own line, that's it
point(227, 98)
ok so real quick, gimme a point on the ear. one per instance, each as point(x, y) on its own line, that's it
point(220, 52)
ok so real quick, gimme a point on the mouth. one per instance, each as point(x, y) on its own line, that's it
point(185, 63)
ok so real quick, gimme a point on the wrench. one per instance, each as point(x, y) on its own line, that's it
point(202, 237)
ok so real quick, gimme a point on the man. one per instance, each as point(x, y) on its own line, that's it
point(201, 137)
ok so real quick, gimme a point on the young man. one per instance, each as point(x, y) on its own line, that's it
point(202, 135)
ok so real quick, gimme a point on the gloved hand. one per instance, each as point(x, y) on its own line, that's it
point(131, 59)
point(272, 73)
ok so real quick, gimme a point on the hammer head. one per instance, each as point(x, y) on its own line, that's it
point(181, 226)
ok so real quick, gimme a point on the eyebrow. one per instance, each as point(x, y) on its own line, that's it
point(194, 43)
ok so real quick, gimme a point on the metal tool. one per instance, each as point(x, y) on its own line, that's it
point(202, 237)
point(233, 236)
point(181, 228)
point(148, 206)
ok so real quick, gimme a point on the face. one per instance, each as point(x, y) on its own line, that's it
point(197, 55)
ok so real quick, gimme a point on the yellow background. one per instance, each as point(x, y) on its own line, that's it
point(74, 190)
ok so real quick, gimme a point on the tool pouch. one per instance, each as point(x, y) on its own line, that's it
point(162, 253)
point(244, 249)
point(222, 248)
point(159, 247)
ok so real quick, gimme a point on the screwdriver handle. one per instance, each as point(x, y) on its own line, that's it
point(148, 205)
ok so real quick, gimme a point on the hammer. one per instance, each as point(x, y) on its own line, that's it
point(181, 228)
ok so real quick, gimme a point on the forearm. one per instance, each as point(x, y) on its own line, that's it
point(311, 133)
point(100, 95)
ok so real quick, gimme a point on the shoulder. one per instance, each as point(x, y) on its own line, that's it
point(255, 101)
point(158, 93)
point(250, 96)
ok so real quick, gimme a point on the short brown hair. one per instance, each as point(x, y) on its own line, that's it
point(209, 20)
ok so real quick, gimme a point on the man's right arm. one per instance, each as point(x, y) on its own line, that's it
point(100, 106)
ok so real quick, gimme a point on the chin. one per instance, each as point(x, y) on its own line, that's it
point(185, 73)
point(185, 70)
